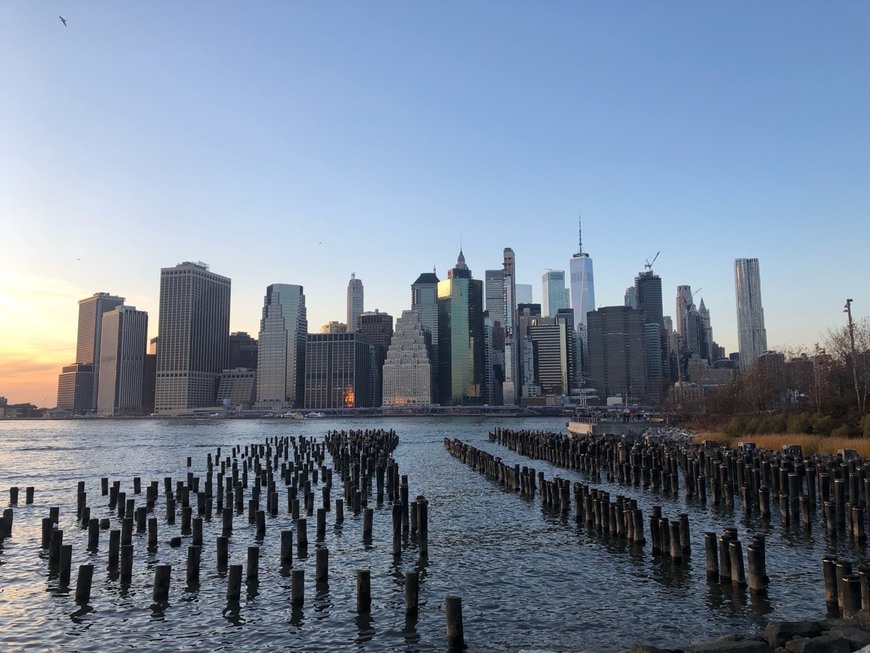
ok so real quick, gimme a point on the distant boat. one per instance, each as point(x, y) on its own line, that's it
point(292, 415)
point(314, 415)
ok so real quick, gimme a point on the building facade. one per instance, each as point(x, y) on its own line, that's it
point(582, 284)
point(554, 294)
point(243, 351)
point(91, 312)
point(461, 337)
point(193, 336)
point(407, 370)
point(121, 375)
point(75, 388)
point(338, 371)
point(281, 348)
point(616, 353)
point(355, 302)
point(751, 335)
point(424, 301)
point(377, 327)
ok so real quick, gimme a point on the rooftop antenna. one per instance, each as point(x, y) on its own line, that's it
point(648, 265)
point(580, 234)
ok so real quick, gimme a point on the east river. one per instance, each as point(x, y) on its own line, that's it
point(529, 579)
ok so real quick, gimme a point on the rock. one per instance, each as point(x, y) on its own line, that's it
point(822, 644)
point(778, 633)
point(857, 637)
point(726, 646)
point(862, 618)
point(649, 648)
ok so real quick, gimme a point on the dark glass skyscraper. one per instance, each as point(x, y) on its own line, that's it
point(461, 343)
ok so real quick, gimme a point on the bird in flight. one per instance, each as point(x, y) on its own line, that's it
point(63, 20)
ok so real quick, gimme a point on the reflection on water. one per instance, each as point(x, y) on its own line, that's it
point(529, 577)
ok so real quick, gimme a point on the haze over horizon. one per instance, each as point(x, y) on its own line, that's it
point(303, 142)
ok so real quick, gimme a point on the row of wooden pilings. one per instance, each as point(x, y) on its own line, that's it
point(759, 478)
point(296, 463)
point(847, 589)
point(622, 518)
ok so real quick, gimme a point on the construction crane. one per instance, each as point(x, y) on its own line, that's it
point(648, 265)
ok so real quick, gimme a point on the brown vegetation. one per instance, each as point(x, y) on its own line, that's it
point(810, 444)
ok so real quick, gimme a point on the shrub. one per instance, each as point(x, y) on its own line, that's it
point(798, 423)
point(822, 424)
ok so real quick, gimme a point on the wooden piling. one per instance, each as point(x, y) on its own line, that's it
point(286, 548)
point(162, 575)
point(453, 614)
point(412, 592)
point(83, 584)
point(126, 563)
point(851, 595)
point(223, 551)
point(322, 565)
point(711, 551)
point(65, 565)
point(194, 555)
point(253, 570)
point(297, 587)
point(363, 590)
point(234, 583)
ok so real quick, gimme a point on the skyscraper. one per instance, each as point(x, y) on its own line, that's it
point(338, 371)
point(461, 337)
point(511, 358)
point(751, 335)
point(91, 312)
point(90, 324)
point(617, 359)
point(648, 294)
point(377, 328)
point(424, 300)
point(408, 369)
point(124, 337)
point(582, 283)
point(355, 303)
point(281, 348)
point(193, 336)
point(555, 294)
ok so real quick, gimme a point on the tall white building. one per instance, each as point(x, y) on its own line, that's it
point(555, 294)
point(582, 284)
point(281, 348)
point(355, 303)
point(751, 335)
point(408, 369)
point(193, 334)
point(121, 376)
point(91, 312)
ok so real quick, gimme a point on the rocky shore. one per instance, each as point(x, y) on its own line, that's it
point(827, 636)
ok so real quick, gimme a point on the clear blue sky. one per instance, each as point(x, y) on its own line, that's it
point(299, 142)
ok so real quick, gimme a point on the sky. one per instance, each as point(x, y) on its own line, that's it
point(301, 142)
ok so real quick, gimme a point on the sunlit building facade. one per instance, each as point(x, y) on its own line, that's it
point(751, 335)
point(555, 295)
point(407, 371)
point(281, 348)
point(355, 302)
point(121, 375)
point(193, 336)
point(461, 338)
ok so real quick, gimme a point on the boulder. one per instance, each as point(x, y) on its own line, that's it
point(822, 644)
point(857, 637)
point(730, 646)
point(649, 648)
point(778, 633)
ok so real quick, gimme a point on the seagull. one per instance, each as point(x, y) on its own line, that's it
point(63, 20)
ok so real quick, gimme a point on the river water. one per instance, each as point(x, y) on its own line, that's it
point(529, 579)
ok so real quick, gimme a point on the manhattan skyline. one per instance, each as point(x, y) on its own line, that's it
point(299, 144)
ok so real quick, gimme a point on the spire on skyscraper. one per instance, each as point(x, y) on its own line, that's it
point(579, 234)
point(460, 261)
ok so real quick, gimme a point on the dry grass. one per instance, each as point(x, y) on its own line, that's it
point(810, 444)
